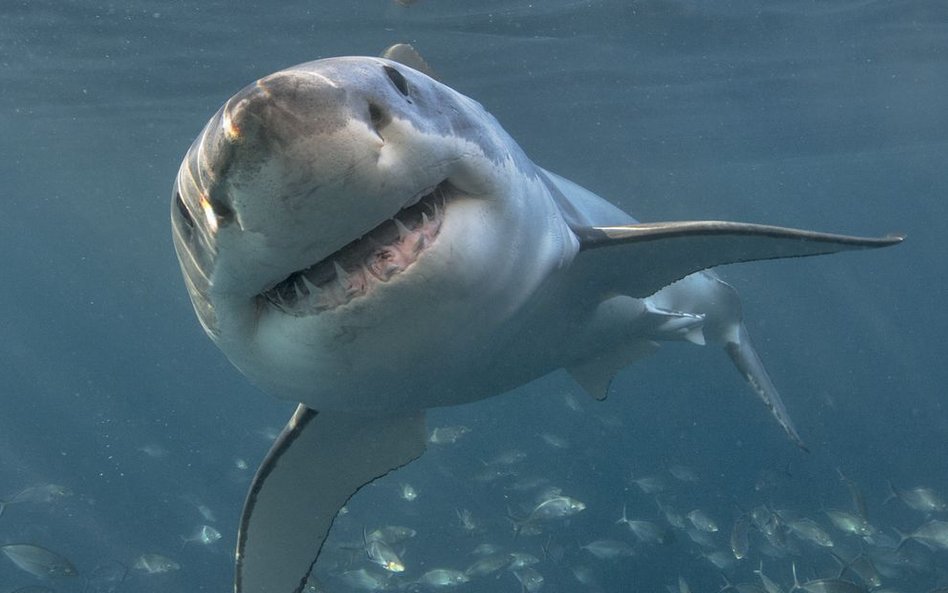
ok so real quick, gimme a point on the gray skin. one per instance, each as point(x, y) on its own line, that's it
point(286, 201)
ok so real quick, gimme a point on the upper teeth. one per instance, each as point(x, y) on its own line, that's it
point(373, 259)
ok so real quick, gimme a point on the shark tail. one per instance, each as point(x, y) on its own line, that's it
point(741, 350)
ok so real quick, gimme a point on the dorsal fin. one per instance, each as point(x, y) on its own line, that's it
point(404, 53)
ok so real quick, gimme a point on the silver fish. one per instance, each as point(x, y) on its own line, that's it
point(556, 507)
point(767, 521)
point(738, 587)
point(529, 578)
point(586, 576)
point(683, 586)
point(365, 580)
point(488, 565)
point(554, 440)
point(650, 533)
point(408, 492)
point(39, 561)
point(206, 512)
point(486, 549)
point(671, 515)
point(608, 549)
point(769, 585)
point(447, 435)
point(509, 457)
point(649, 484)
point(703, 538)
point(740, 542)
point(392, 534)
point(859, 502)
point(861, 565)
point(646, 531)
point(466, 519)
point(382, 554)
point(40, 493)
point(205, 534)
point(809, 530)
point(154, 451)
point(933, 534)
point(825, 585)
point(155, 564)
point(702, 521)
point(572, 402)
point(850, 523)
point(722, 560)
point(106, 577)
point(440, 578)
point(521, 559)
point(919, 498)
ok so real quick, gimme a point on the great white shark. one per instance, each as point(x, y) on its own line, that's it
point(359, 238)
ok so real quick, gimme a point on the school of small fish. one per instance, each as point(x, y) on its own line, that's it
point(547, 536)
point(520, 528)
point(49, 564)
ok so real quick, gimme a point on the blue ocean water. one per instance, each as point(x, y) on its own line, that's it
point(826, 114)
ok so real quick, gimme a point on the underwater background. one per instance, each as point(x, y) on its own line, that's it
point(129, 431)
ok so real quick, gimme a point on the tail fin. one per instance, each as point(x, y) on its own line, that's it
point(517, 522)
point(745, 358)
point(903, 539)
point(769, 585)
point(893, 493)
point(796, 583)
point(708, 295)
point(728, 585)
point(843, 564)
point(859, 502)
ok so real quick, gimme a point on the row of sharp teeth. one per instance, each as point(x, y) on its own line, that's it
point(382, 262)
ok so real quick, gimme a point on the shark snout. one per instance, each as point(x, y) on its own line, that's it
point(279, 110)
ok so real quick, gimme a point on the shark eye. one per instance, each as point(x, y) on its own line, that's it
point(223, 212)
point(397, 79)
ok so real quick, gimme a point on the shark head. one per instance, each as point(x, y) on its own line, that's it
point(351, 226)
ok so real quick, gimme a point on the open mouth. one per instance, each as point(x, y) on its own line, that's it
point(373, 259)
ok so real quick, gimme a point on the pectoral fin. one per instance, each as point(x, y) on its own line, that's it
point(316, 464)
point(653, 255)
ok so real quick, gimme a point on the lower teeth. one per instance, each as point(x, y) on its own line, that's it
point(352, 271)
